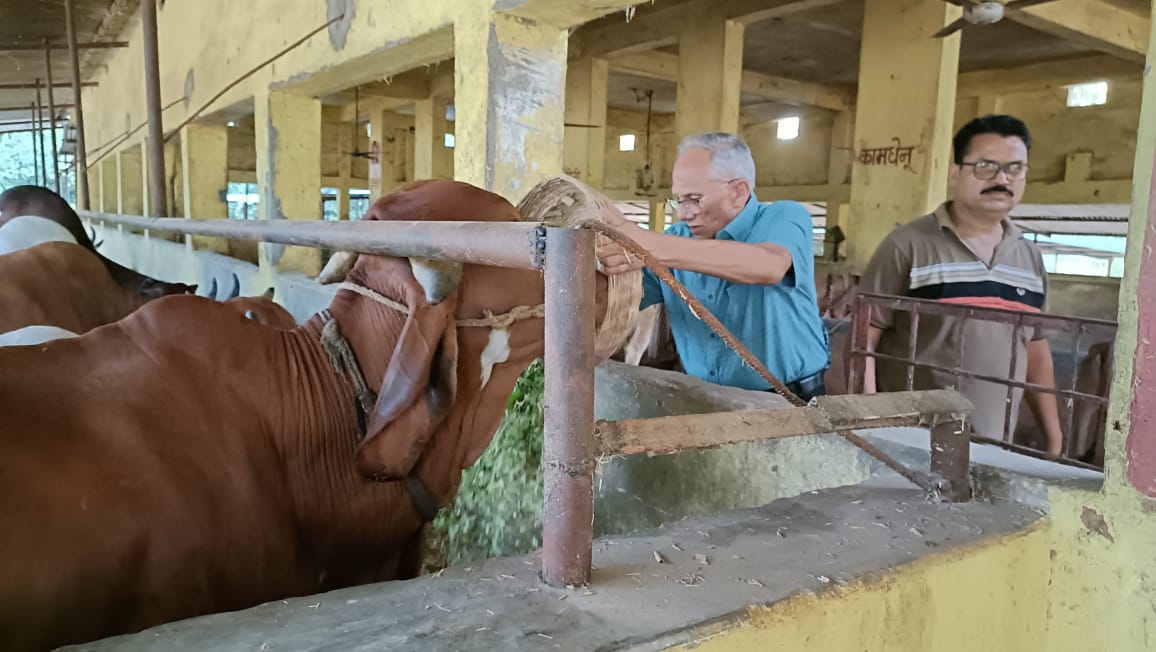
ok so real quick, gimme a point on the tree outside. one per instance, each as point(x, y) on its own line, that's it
point(19, 163)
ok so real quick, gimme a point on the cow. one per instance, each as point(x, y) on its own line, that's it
point(24, 231)
point(261, 309)
point(64, 285)
point(186, 461)
point(42, 202)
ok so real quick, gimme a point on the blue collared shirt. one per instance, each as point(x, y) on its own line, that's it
point(779, 323)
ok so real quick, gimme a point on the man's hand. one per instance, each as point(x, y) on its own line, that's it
point(613, 259)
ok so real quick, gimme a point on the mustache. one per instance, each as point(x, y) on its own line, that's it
point(999, 188)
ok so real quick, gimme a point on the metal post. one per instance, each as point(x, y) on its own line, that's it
point(52, 117)
point(156, 133)
point(568, 513)
point(35, 148)
point(951, 459)
point(40, 136)
point(78, 113)
point(860, 322)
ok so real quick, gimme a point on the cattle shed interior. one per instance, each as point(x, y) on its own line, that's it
point(288, 113)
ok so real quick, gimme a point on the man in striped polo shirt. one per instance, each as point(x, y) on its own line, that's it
point(968, 252)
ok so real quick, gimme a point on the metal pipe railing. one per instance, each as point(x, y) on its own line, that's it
point(501, 244)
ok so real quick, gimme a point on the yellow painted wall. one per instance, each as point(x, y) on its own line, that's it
point(1108, 131)
point(219, 40)
point(1060, 586)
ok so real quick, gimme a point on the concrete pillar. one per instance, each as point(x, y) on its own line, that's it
point(345, 144)
point(426, 135)
point(1130, 438)
point(205, 178)
point(584, 154)
point(92, 174)
point(988, 105)
point(142, 154)
point(109, 183)
point(288, 142)
point(710, 67)
point(906, 99)
point(174, 181)
point(509, 80)
point(129, 193)
point(657, 217)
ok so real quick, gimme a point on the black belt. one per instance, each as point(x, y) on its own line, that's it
point(807, 386)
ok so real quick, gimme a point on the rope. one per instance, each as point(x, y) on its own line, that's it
point(700, 311)
point(488, 319)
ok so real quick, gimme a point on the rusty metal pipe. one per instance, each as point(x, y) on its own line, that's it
point(78, 112)
point(502, 244)
point(568, 452)
point(52, 117)
point(97, 45)
point(156, 129)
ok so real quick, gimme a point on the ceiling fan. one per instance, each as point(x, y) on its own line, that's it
point(983, 12)
point(356, 116)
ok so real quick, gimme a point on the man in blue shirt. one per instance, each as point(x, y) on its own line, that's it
point(750, 263)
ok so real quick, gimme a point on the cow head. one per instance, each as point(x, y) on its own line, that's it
point(444, 390)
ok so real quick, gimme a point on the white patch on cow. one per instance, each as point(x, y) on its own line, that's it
point(497, 350)
point(37, 334)
point(27, 231)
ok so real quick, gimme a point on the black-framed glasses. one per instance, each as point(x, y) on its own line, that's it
point(985, 170)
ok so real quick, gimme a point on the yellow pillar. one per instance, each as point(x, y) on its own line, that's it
point(205, 178)
point(988, 105)
point(345, 144)
point(129, 179)
point(425, 136)
point(108, 183)
point(142, 153)
point(584, 154)
point(906, 99)
point(288, 142)
point(509, 79)
point(657, 216)
point(93, 177)
point(710, 66)
point(175, 183)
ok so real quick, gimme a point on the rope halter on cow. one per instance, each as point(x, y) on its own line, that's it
point(344, 361)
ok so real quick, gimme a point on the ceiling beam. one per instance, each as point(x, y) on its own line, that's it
point(1043, 76)
point(26, 86)
point(1096, 24)
point(659, 65)
point(657, 28)
point(570, 13)
point(39, 47)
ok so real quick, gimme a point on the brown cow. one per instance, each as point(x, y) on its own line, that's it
point(42, 202)
point(185, 460)
point(64, 285)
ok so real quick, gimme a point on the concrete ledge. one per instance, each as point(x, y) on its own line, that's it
point(712, 570)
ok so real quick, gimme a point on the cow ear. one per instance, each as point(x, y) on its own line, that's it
point(417, 391)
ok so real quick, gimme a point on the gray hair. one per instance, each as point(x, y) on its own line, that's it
point(730, 158)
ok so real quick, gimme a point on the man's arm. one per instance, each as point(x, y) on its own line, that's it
point(762, 263)
point(1042, 404)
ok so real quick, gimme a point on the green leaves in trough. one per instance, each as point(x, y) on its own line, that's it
point(498, 509)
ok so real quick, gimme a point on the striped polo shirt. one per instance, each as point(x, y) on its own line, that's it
point(926, 259)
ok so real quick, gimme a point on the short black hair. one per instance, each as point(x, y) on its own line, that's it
point(1004, 125)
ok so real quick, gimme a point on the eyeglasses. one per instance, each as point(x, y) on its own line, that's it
point(677, 204)
point(987, 170)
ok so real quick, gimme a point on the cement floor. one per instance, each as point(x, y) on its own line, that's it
point(712, 569)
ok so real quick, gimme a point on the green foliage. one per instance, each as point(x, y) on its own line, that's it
point(498, 510)
point(18, 164)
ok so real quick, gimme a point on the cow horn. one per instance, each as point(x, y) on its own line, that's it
point(212, 292)
point(439, 278)
point(338, 266)
point(236, 291)
point(268, 294)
